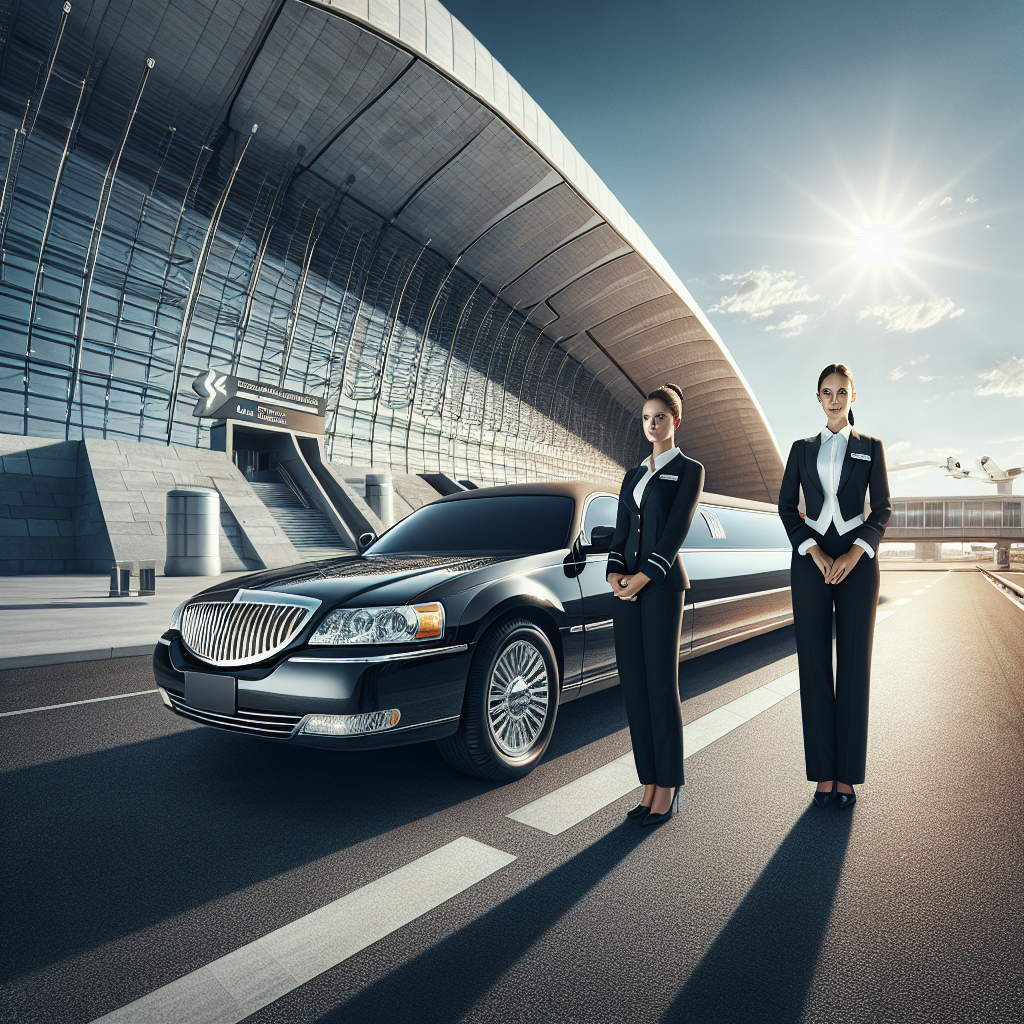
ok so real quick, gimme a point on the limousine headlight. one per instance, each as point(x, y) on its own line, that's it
point(175, 622)
point(390, 625)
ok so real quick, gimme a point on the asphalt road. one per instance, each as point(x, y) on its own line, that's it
point(138, 847)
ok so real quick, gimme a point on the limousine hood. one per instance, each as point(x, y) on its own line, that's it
point(334, 581)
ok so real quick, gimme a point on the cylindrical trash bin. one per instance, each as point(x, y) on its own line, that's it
point(193, 532)
point(380, 496)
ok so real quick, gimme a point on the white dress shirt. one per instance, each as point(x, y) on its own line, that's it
point(831, 453)
point(659, 461)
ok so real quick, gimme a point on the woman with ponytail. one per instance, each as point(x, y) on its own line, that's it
point(835, 567)
point(656, 505)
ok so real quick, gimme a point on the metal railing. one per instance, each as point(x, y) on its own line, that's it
point(1015, 587)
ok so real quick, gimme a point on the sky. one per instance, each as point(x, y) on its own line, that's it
point(833, 182)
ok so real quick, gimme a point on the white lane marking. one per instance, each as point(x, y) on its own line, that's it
point(253, 976)
point(915, 593)
point(73, 703)
point(570, 804)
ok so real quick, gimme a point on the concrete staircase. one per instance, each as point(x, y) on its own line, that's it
point(309, 530)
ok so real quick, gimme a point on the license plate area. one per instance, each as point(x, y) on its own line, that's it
point(210, 692)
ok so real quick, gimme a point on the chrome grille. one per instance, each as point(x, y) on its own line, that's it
point(251, 627)
point(258, 723)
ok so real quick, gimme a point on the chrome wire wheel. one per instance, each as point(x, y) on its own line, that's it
point(518, 694)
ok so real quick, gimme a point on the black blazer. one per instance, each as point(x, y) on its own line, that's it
point(648, 537)
point(863, 471)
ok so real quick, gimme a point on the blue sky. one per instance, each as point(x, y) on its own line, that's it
point(754, 141)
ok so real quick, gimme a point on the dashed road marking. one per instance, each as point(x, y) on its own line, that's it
point(255, 975)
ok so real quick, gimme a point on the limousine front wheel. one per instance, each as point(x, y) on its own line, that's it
point(510, 706)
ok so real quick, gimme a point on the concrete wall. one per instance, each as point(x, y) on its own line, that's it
point(74, 506)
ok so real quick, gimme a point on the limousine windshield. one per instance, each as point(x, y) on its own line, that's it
point(514, 524)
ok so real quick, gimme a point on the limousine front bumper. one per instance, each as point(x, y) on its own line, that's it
point(330, 689)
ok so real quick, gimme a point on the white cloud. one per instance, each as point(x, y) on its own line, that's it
point(972, 199)
point(899, 446)
point(988, 227)
point(924, 377)
point(760, 291)
point(948, 201)
point(907, 316)
point(794, 325)
point(1007, 379)
point(897, 373)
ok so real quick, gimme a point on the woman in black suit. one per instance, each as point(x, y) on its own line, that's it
point(656, 505)
point(835, 566)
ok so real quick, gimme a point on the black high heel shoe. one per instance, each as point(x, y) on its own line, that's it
point(847, 799)
point(657, 819)
point(637, 811)
point(822, 798)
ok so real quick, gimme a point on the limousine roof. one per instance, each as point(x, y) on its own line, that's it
point(579, 490)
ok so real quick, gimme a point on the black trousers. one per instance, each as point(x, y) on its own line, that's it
point(835, 713)
point(647, 653)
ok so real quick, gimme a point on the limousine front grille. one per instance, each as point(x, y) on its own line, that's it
point(250, 627)
point(256, 723)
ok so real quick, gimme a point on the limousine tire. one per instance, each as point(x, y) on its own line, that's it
point(511, 703)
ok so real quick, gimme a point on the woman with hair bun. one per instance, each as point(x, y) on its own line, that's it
point(834, 567)
point(656, 505)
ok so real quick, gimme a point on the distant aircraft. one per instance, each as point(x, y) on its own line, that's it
point(1003, 479)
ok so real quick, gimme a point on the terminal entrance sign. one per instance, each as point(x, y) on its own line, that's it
point(224, 397)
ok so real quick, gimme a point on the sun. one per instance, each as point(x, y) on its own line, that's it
point(878, 243)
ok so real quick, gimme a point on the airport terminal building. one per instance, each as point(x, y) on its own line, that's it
point(271, 244)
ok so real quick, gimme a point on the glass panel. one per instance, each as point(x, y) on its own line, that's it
point(933, 514)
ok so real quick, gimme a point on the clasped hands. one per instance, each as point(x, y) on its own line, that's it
point(626, 587)
point(835, 570)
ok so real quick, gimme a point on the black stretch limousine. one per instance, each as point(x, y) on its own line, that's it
point(467, 623)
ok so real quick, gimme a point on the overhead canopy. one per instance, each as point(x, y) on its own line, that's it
point(394, 105)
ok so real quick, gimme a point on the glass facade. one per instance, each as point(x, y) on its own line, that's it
point(956, 515)
point(390, 264)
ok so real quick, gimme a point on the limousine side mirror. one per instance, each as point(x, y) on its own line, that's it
point(364, 540)
point(601, 538)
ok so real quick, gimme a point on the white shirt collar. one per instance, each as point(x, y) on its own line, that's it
point(827, 435)
point(663, 459)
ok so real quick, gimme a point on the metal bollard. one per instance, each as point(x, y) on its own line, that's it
point(380, 496)
point(147, 578)
point(120, 579)
point(193, 532)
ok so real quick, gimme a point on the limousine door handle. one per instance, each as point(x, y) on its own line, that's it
point(603, 624)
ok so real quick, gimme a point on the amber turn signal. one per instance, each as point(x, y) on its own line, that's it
point(431, 618)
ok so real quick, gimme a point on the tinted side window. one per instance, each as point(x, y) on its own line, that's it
point(600, 512)
point(747, 529)
point(699, 535)
point(510, 524)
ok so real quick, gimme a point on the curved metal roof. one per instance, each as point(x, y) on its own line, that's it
point(394, 104)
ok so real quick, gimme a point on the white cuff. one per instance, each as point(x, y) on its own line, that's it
point(806, 546)
point(868, 549)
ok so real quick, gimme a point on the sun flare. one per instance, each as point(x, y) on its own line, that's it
point(878, 243)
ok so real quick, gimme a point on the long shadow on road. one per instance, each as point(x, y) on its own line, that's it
point(443, 983)
point(761, 965)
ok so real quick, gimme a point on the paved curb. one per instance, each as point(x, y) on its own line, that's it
point(64, 657)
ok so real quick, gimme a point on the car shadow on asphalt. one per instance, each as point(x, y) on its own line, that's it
point(100, 845)
point(762, 964)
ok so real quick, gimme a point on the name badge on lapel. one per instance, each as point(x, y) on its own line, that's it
point(665, 476)
point(860, 455)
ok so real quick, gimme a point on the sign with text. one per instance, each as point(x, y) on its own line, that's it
point(224, 397)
